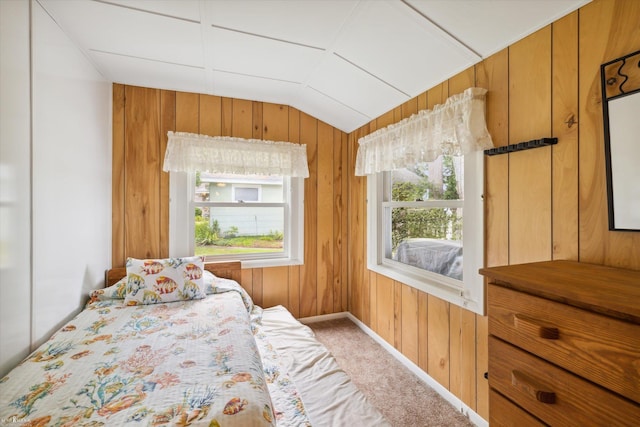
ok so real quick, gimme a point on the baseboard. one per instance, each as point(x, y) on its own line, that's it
point(441, 390)
point(323, 317)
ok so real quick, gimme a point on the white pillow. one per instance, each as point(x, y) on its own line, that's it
point(152, 281)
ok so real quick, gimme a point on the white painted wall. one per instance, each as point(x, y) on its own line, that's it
point(15, 184)
point(71, 177)
point(55, 192)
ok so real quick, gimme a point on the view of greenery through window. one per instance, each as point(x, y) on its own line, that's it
point(211, 240)
point(238, 225)
point(422, 184)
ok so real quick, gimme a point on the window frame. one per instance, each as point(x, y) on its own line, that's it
point(468, 293)
point(182, 222)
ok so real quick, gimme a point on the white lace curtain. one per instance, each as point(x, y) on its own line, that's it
point(190, 152)
point(456, 127)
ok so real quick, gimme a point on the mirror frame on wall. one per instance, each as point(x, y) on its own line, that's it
point(620, 83)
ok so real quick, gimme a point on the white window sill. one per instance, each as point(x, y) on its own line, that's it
point(273, 262)
point(452, 294)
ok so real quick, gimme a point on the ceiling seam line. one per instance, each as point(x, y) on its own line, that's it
point(435, 24)
point(164, 15)
point(220, 27)
point(372, 75)
point(339, 102)
point(200, 67)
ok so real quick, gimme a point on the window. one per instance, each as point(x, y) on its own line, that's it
point(257, 219)
point(426, 227)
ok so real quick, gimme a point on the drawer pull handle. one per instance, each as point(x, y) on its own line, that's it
point(532, 387)
point(534, 326)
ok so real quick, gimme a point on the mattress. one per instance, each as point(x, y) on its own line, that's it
point(329, 396)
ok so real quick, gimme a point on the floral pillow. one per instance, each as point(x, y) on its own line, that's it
point(153, 281)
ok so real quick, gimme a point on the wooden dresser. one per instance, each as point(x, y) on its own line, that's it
point(564, 345)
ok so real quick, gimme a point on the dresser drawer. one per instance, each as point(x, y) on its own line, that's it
point(552, 394)
point(503, 413)
point(599, 348)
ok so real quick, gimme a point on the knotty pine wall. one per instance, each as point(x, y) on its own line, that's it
point(141, 119)
point(541, 204)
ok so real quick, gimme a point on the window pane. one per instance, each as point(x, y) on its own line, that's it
point(441, 179)
point(246, 194)
point(232, 188)
point(427, 238)
point(239, 230)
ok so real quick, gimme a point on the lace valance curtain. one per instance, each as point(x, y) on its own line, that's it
point(189, 152)
point(456, 127)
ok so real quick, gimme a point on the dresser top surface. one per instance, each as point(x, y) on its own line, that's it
point(607, 290)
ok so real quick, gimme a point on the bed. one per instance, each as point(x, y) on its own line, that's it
point(178, 342)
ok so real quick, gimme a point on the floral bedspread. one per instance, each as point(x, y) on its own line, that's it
point(181, 363)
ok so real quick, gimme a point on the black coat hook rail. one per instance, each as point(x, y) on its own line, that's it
point(521, 146)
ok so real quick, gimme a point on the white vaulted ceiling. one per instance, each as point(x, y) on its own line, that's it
point(342, 61)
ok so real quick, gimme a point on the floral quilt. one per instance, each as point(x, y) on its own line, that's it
point(180, 363)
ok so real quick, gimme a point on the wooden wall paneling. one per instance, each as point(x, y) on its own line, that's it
point(482, 366)
point(438, 346)
point(340, 220)
point(493, 75)
point(142, 172)
point(226, 106)
point(294, 290)
point(497, 212)
point(530, 170)
point(187, 112)
point(384, 120)
point(410, 107)
point(437, 95)
point(242, 118)
point(118, 207)
point(607, 30)
point(422, 101)
point(565, 128)
point(462, 81)
point(410, 322)
point(366, 286)
point(385, 310)
point(467, 358)
point(293, 117)
point(167, 123)
point(258, 286)
point(275, 122)
point(373, 300)
point(210, 115)
point(455, 351)
point(530, 205)
point(325, 219)
point(246, 280)
point(275, 286)
point(530, 87)
point(308, 271)
point(423, 331)
point(256, 120)
point(357, 229)
point(397, 315)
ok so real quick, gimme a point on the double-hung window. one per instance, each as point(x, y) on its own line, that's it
point(425, 227)
point(256, 219)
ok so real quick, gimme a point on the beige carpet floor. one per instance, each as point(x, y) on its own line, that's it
point(399, 395)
